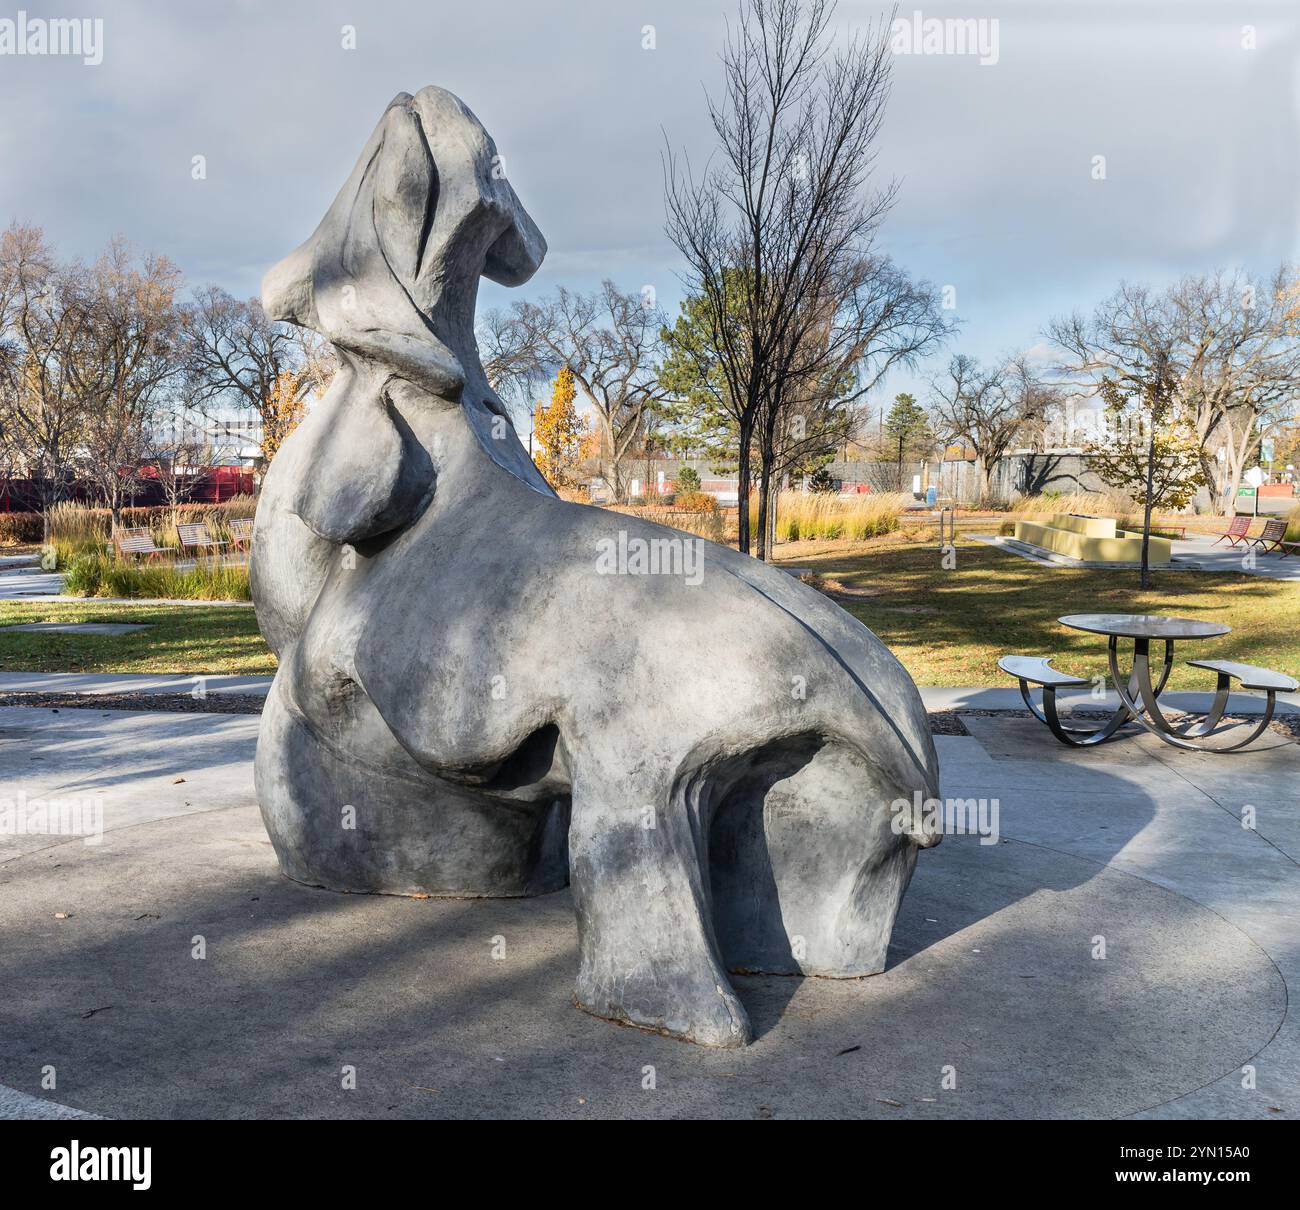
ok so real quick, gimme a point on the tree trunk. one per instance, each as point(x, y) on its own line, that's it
point(1146, 512)
point(1228, 500)
point(742, 489)
point(1235, 466)
point(773, 501)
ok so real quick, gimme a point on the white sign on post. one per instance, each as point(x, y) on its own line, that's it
point(1254, 476)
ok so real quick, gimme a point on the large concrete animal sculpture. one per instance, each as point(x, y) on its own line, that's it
point(486, 691)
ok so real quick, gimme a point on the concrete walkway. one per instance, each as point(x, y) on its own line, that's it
point(129, 682)
point(21, 579)
point(995, 973)
point(1196, 554)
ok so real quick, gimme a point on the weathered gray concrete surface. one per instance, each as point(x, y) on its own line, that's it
point(477, 697)
point(23, 580)
point(129, 682)
point(18, 1106)
point(1196, 843)
point(121, 766)
point(934, 698)
point(991, 971)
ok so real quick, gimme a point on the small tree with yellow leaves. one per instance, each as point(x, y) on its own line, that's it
point(558, 431)
point(282, 410)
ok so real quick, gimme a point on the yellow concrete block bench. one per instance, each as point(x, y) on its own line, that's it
point(1090, 539)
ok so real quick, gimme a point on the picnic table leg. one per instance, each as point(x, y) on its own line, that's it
point(1143, 703)
point(1083, 737)
point(1148, 712)
point(1079, 737)
point(1264, 720)
point(1206, 726)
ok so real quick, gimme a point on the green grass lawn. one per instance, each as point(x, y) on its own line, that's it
point(950, 627)
point(180, 638)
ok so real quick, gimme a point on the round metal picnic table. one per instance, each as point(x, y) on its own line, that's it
point(1138, 696)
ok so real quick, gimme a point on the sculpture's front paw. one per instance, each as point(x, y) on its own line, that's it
point(697, 1010)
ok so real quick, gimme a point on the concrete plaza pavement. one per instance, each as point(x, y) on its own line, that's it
point(163, 683)
point(994, 978)
point(996, 698)
point(1191, 555)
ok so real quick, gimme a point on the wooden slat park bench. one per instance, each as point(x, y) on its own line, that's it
point(1238, 531)
point(136, 542)
point(197, 537)
point(241, 532)
point(1271, 538)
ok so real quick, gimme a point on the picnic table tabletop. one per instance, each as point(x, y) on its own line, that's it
point(1144, 625)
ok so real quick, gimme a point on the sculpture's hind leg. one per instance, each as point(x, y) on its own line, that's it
point(647, 954)
point(340, 816)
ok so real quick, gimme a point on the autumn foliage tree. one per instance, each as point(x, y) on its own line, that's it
point(558, 431)
point(282, 410)
point(238, 358)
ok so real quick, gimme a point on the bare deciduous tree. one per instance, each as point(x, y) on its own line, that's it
point(1231, 344)
point(987, 409)
point(873, 319)
point(236, 356)
point(611, 342)
point(510, 363)
point(777, 232)
point(124, 356)
point(41, 318)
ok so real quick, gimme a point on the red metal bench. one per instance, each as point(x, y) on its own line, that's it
point(1238, 531)
point(1271, 538)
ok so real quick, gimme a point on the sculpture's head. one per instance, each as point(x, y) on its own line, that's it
point(390, 278)
point(391, 273)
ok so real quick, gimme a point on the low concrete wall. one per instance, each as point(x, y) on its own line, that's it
point(1121, 547)
point(1089, 527)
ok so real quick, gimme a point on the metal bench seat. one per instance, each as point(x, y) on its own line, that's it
point(197, 537)
point(1250, 676)
point(1039, 671)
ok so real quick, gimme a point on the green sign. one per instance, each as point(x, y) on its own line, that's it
point(1245, 491)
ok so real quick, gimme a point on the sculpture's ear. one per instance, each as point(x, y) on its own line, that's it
point(352, 280)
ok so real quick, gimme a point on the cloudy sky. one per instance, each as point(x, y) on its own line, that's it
point(1195, 115)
